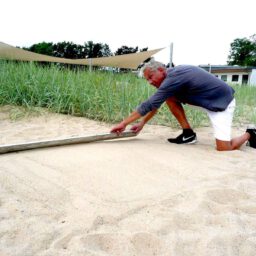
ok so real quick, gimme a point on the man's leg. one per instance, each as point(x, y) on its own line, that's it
point(235, 143)
point(179, 113)
point(188, 136)
point(222, 123)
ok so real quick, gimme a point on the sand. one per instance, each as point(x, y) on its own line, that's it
point(127, 197)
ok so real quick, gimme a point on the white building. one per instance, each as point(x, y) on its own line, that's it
point(233, 74)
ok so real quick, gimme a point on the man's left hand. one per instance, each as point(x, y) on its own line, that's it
point(137, 127)
point(118, 128)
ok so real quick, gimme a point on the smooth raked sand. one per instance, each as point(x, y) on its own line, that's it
point(128, 197)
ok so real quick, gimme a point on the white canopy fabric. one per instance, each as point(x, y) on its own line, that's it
point(131, 61)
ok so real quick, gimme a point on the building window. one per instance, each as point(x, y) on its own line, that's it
point(245, 79)
point(235, 78)
point(224, 78)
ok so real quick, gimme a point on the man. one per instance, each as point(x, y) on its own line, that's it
point(187, 84)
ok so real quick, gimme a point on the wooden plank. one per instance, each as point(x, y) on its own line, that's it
point(66, 141)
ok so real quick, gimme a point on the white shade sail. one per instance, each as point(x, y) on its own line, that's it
point(131, 61)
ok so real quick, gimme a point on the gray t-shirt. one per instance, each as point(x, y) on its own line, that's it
point(192, 85)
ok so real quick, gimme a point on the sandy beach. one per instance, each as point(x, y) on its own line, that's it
point(137, 196)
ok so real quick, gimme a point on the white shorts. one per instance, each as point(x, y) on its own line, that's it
point(222, 121)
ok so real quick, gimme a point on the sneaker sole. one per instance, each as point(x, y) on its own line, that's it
point(187, 143)
point(191, 142)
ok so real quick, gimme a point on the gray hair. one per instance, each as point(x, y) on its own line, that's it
point(152, 65)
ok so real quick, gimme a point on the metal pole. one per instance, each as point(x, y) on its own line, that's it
point(90, 65)
point(171, 53)
point(61, 142)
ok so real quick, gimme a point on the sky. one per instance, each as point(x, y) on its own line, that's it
point(201, 31)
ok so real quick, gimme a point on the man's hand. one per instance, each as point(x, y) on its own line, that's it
point(119, 128)
point(137, 127)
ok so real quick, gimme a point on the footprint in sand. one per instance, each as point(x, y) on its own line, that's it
point(248, 247)
point(107, 244)
point(249, 209)
point(147, 244)
point(238, 244)
point(226, 196)
point(121, 244)
point(178, 199)
point(103, 220)
point(63, 242)
point(217, 246)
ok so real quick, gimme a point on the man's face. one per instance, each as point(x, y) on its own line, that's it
point(155, 77)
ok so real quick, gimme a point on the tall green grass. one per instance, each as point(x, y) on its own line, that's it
point(97, 95)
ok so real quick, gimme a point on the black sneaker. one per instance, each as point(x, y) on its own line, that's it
point(252, 140)
point(184, 139)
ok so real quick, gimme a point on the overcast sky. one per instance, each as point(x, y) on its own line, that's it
point(201, 30)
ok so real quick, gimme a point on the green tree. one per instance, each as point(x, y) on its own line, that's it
point(243, 52)
point(144, 49)
point(42, 48)
point(125, 50)
point(95, 50)
point(68, 50)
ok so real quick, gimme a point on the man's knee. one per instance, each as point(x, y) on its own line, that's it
point(223, 145)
